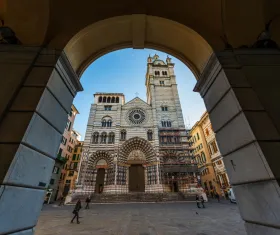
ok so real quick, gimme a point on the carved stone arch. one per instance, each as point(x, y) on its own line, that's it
point(137, 143)
point(99, 155)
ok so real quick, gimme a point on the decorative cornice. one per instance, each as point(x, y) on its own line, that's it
point(210, 69)
point(69, 74)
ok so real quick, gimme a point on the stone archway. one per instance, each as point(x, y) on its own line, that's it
point(137, 146)
point(239, 87)
point(100, 155)
point(136, 152)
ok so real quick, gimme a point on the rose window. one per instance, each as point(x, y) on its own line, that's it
point(137, 116)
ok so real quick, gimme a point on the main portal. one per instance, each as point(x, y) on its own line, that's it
point(136, 178)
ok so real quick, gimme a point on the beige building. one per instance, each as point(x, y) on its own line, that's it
point(73, 167)
point(208, 156)
point(216, 157)
point(202, 155)
point(65, 152)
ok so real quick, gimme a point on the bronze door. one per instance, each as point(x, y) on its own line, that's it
point(99, 184)
point(136, 178)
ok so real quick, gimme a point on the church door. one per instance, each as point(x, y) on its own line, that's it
point(99, 184)
point(136, 178)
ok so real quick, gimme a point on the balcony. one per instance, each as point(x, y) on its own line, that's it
point(215, 155)
point(219, 168)
point(61, 159)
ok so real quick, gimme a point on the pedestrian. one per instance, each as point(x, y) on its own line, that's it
point(217, 196)
point(61, 201)
point(202, 201)
point(212, 194)
point(226, 195)
point(87, 202)
point(76, 211)
point(197, 201)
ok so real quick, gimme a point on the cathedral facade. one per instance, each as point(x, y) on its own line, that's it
point(138, 146)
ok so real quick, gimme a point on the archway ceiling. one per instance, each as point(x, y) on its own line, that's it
point(57, 23)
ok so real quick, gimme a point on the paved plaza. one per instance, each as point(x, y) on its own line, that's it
point(144, 219)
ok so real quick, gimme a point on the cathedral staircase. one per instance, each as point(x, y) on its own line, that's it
point(136, 197)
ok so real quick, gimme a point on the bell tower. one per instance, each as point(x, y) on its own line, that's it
point(162, 93)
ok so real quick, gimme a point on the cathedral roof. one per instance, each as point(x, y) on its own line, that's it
point(108, 93)
point(136, 99)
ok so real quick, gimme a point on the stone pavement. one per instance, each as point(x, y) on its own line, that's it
point(178, 218)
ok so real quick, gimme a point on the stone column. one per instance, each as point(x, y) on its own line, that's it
point(241, 91)
point(37, 89)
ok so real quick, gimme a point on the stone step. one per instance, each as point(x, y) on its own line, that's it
point(135, 197)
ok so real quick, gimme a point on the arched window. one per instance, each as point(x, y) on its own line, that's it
point(203, 157)
point(109, 123)
point(163, 123)
point(109, 100)
point(117, 100)
point(164, 73)
point(103, 138)
point(123, 135)
point(168, 123)
point(150, 135)
point(197, 136)
point(157, 73)
point(103, 123)
point(111, 138)
point(104, 99)
point(100, 99)
point(95, 137)
point(106, 121)
point(207, 132)
point(113, 100)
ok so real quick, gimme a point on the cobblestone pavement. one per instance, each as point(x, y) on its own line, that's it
point(144, 219)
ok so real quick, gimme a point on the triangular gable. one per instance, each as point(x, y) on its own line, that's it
point(136, 100)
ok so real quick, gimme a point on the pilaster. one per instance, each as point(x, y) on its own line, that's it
point(38, 86)
point(240, 89)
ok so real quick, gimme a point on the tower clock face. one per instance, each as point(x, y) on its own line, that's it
point(136, 116)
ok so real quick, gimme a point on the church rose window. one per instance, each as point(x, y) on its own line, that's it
point(136, 116)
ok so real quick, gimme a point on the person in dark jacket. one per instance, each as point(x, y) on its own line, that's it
point(76, 211)
point(87, 202)
point(202, 201)
point(217, 196)
point(61, 201)
point(197, 201)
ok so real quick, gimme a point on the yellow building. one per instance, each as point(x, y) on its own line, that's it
point(73, 167)
point(66, 150)
point(201, 152)
point(215, 155)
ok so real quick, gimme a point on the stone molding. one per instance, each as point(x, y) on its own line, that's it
point(234, 59)
point(68, 74)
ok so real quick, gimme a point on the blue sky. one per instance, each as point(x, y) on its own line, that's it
point(124, 71)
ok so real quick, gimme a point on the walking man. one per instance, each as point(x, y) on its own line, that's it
point(217, 196)
point(197, 201)
point(87, 202)
point(61, 201)
point(76, 211)
point(202, 201)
